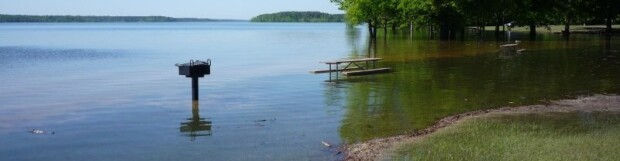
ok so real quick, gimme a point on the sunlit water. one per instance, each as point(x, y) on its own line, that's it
point(110, 91)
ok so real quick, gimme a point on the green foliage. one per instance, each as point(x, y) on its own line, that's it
point(28, 18)
point(419, 12)
point(299, 17)
point(454, 14)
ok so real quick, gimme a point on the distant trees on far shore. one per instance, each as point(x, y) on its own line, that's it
point(299, 17)
point(30, 18)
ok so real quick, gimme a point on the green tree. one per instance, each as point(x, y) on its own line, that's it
point(417, 12)
point(568, 12)
point(451, 16)
point(299, 17)
point(608, 10)
point(450, 19)
point(533, 13)
point(361, 11)
point(375, 13)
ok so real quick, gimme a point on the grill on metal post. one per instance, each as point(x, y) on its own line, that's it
point(195, 69)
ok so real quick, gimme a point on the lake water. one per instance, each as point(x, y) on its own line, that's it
point(110, 91)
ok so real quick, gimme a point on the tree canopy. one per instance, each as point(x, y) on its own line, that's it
point(452, 16)
point(299, 17)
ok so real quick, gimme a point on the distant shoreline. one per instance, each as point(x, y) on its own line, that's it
point(299, 17)
point(85, 19)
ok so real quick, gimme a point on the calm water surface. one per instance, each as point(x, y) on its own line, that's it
point(111, 91)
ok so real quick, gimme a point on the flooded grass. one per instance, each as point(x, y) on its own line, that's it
point(545, 136)
point(554, 28)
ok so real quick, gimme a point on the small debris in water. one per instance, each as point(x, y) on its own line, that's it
point(511, 102)
point(265, 120)
point(35, 131)
point(326, 144)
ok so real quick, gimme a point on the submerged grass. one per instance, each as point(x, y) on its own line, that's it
point(554, 28)
point(546, 136)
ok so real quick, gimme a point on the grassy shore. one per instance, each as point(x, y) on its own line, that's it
point(545, 137)
point(586, 128)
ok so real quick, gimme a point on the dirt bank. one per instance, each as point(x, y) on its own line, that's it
point(379, 148)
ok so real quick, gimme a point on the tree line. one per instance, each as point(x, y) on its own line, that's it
point(452, 16)
point(299, 17)
point(30, 18)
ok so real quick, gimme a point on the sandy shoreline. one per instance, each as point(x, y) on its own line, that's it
point(378, 149)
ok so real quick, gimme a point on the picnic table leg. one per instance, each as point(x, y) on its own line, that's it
point(346, 67)
point(337, 71)
point(330, 72)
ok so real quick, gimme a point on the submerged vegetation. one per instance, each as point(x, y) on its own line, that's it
point(547, 136)
point(299, 17)
point(452, 17)
point(47, 18)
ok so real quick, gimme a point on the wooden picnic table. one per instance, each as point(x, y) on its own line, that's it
point(354, 62)
point(509, 48)
point(361, 66)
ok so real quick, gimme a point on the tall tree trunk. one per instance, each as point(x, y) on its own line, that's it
point(410, 26)
point(566, 31)
point(372, 30)
point(497, 23)
point(453, 32)
point(496, 29)
point(372, 46)
point(608, 25)
point(533, 31)
point(463, 33)
point(608, 43)
point(481, 30)
point(444, 32)
point(393, 27)
point(431, 31)
point(385, 27)
point(369, 28)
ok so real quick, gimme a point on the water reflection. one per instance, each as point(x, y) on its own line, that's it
point(436, 79)
point(608, 43)
point(196, 126)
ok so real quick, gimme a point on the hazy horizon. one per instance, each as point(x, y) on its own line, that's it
point(231, 9)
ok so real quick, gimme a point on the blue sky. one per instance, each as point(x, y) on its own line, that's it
point(220, 9)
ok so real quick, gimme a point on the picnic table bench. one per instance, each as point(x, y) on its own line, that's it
point(353, 67)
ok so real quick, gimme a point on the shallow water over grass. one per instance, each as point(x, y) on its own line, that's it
point(435, 79)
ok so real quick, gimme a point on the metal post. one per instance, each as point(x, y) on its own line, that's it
point(195, 88)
